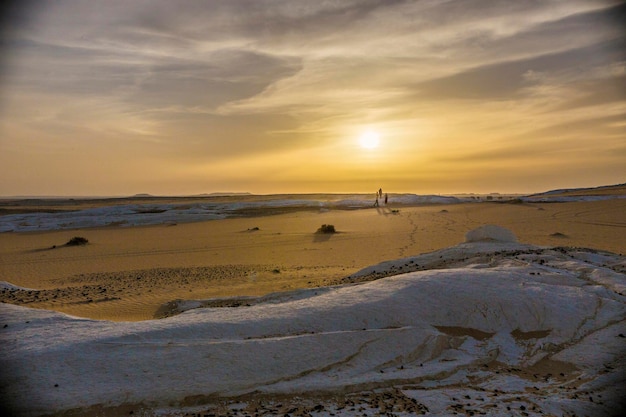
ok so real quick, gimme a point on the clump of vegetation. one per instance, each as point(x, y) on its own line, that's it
point(77, 241)
point(326, 228)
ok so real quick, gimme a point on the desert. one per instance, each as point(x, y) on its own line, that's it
point(130, 273)
point(429, 305)
point(292, 208)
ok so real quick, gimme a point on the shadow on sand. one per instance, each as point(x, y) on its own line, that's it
point(322, 237)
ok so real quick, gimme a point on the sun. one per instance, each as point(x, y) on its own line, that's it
point(369, 140)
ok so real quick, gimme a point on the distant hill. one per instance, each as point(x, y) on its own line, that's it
point(618, 189)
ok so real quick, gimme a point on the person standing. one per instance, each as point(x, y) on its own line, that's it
point(385, 198)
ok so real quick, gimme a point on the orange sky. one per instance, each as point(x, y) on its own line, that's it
point(186, 97)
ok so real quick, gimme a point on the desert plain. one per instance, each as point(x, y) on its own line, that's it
point(507, 306)
point(131, 273)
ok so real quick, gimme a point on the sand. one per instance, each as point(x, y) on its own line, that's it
point(131, 274)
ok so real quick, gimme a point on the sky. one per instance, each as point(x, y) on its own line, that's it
point(186, 97)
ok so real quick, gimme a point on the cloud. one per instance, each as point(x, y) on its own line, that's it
point(548, 144)
point(508, 79)
point(221, 77)
point(597, 92)
point(410, 41)
point(218, 77)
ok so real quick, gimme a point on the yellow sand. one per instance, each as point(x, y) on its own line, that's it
point(128, 273)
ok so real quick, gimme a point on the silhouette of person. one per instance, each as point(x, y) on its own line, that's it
point(380, 192)
point(385, 198)
point(376, 203)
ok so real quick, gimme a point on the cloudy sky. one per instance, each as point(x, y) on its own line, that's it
point(184, 97)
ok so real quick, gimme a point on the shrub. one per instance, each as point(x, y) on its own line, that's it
point(326, 228)
point(76, 241)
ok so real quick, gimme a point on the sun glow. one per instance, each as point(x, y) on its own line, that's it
point(369, 140)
